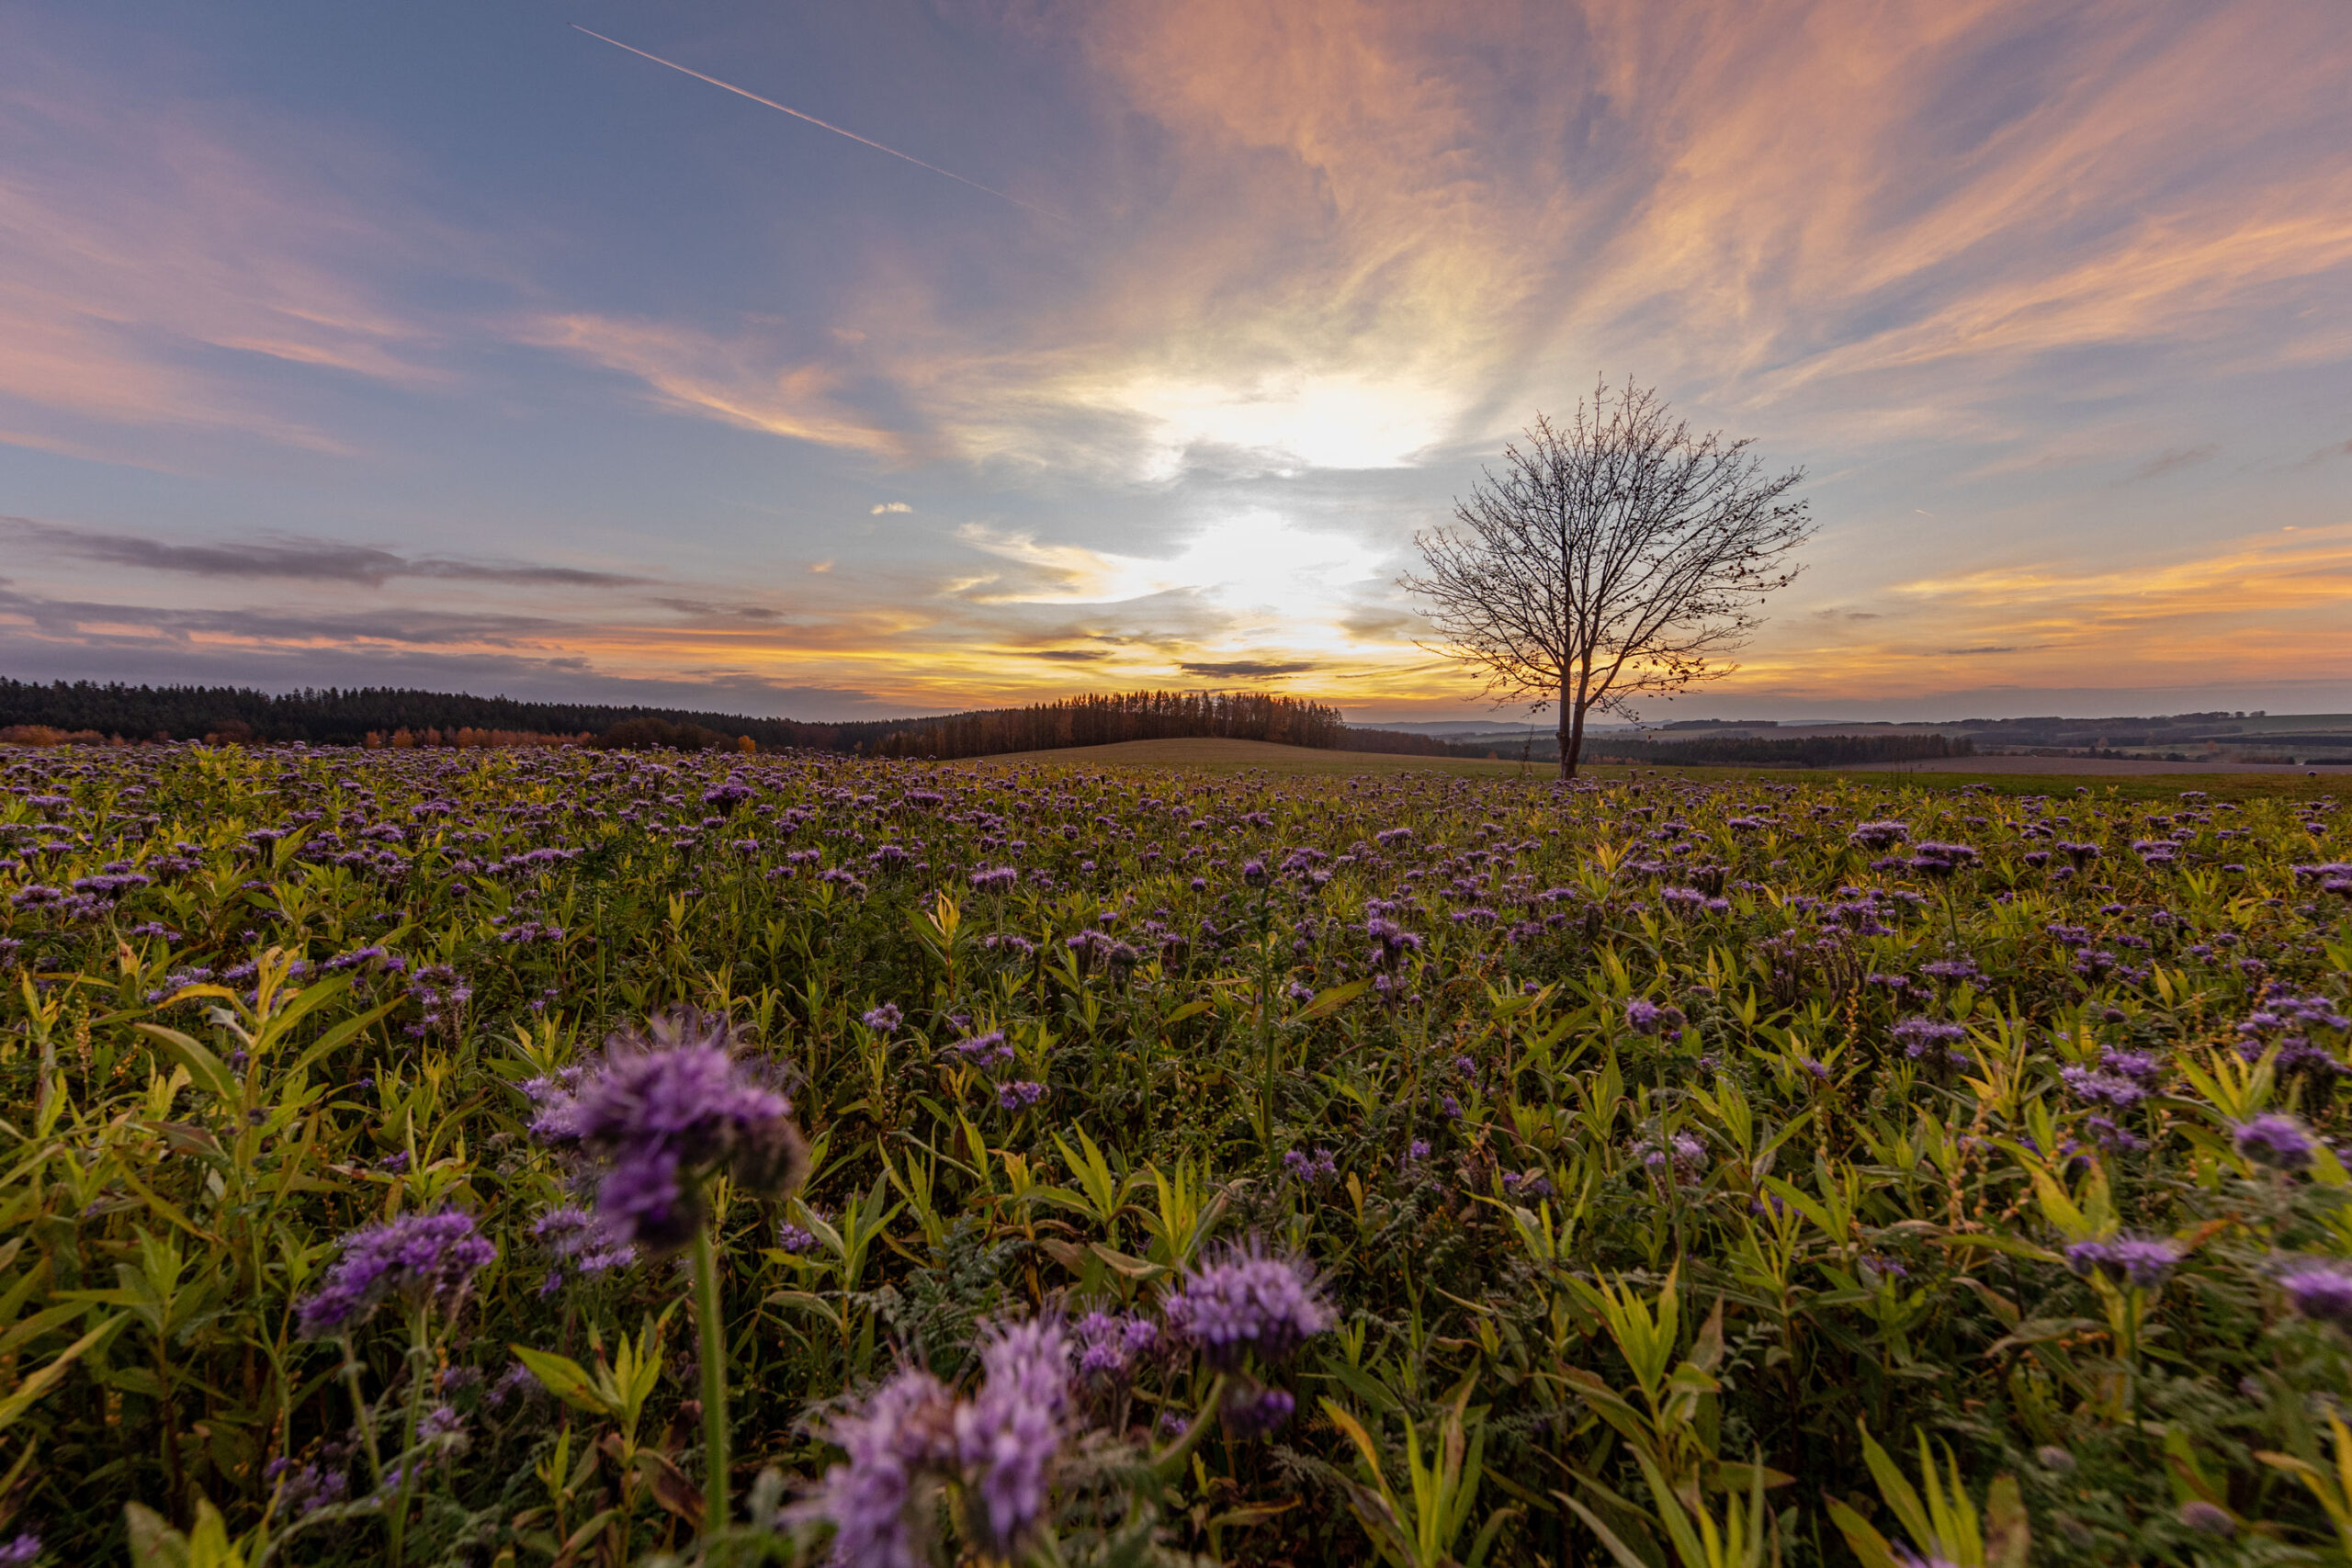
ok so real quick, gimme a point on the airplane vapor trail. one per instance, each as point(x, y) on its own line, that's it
point(812, 119)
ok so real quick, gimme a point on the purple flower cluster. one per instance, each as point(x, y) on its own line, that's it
point(2321, 1291)
point(1254, 1413)
point(426, 1259)
point(1646, 1017)
point(1109, 1345)
point(1312, 1170)
point(1930, 1040)
point(579, 1242)
point(1007, 1435)
point(1247, 1300)
point(658, 1111)
point(901, 1436)
point(2278, 1142)
point(990, 1050)
point(912, 1433)
point(2143, 1261)
point(1681, 1157)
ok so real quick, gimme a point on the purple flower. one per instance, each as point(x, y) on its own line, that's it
point(1319, 1167)
point(990, 1050)
point(425, 1258)
point(1416, 1151)
point(2279, 1142)
point(884, 1019)
point(1683, 1155)
point(1019, 1094)
point(582, 1242)
point(794, 1239)
point(2321, 1291)
point(1646, 1017)
point(1939, 859)
point(1925, 1037)
point(1248, 1414)
point(300, 1490)
point(1880, 835)
point(1245, 1301)
point(1110, 1343)
point(658, 1111)
point(1006, 1438)
point(2144, 1261)
point(22, 1549)
point(904, 1429)
point(2103, 1089)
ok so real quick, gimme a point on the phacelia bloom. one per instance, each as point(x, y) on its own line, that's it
point(578, 1242)
point(2103, 1089)
point(1880, 835)
point(1007, 1436)
point(1249, 1414)
point(24, 1549)
point(1415, 1152)
point(301, 1489)
point(2144, 1261)
point(884, 1019)
point(1938, 859)
point(1923, 1039)
point(902, 1432)
point(2208, 1519)
point(1318, 1167)
point(662, 1109)
point(424, 1259)
point(795, 1240)
point(441, 1421)
point(2321, 1291)
point(1247, 1300)
point(1646, 1017)
point(1019, 1094)
point(1390, 941)
point(1682, 1156)
point(990, 1050)
point(2279, 1142)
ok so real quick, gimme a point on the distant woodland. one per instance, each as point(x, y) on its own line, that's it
point(83, 712)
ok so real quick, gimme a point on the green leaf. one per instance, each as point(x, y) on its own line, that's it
point(210, 1073)
point(564, 1378)
point(1326, 1003)
point(20, 1399)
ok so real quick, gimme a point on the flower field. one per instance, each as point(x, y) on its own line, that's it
point(447, 1156)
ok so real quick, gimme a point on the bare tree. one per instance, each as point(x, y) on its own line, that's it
point(1615, 557)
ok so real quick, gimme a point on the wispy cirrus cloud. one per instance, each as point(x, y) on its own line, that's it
point(306, 559)
point(161, 260)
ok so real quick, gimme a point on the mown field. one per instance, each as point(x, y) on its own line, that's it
point(1423, 1166)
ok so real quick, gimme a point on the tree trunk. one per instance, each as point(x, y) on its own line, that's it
point(1571, 733)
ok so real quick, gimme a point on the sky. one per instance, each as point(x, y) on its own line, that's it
point(1114, 344)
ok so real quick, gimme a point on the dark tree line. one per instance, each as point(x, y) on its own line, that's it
point(331, 717)
point(1127, 716)
point(375, 715)
point(1805, 752)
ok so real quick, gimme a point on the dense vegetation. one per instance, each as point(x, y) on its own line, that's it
point(373, 716)
point(1102, 720)
point(1658, 1150)
point(1796, 751)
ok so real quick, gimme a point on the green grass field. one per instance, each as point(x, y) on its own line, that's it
point(1220, 756)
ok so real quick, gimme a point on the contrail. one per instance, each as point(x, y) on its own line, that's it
point(812, 119)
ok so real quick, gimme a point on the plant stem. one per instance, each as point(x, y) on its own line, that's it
point(420, 1358)
point(710, 1332)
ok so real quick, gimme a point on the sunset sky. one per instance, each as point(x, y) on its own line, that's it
point(444, 344)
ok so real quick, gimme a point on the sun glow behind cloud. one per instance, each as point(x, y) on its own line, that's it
point(2075, 282)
